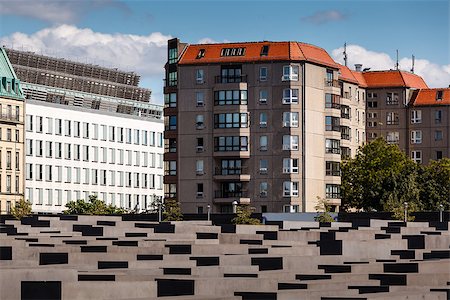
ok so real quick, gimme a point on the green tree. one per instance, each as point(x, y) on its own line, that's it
point(435, 185)
point(244, 216)
point(323, 211)
point(21, 209)
point(172, 211)
point(93, 206)
point(380, 177)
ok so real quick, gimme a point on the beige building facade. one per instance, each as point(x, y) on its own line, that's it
point(12, 111)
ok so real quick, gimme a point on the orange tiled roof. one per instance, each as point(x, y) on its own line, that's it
point(360, 78)
point(393, 78)
point(425, 97)
point(346, 74)
point(278, 51)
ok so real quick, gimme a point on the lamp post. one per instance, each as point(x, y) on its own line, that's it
point(159, 209)
point(235, 203)
point(209, 212)
point(406, 211)
point(441, 210)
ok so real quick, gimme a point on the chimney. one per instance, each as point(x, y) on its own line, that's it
point(358, 67)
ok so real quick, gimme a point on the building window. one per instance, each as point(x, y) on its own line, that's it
point(438, 116)
point(263, 96)
point(39, 172)
point(332, 191)
point(332, 124)
point(416, 137)
point(199, 167)
point(137, 136)
point(230, 167)
point(393, 137)
point(332, 101)
point(120, 134)
point(199, 122)
point(172, 79)
point(372, 104)
point(263, 142)
point(170, 190)
point(392, 118)
point(29, 123)
point(232, 120)
point(170, 100)
point(49, 149)
point(438, 135)
point(290, 142)
point(290, 119)
point(416, 116)
point(263, 120)
point(290, 165)
point(29, 145)
point(199, 190)
point(332, 146)
point(8, 134)
point(230, 74)
point(290, 73)
point(235, 97)
point(67, 128)
point(346, 133)
point(329, 81)
point(263, 73)
point(76, 129)
point(438, 155)
point(29, 171)
point(58, 173)
point(392, 99)
point(173, 55)
point(171, 167)
point(68, 174)
point(263, 189)
point(200, 99)
point(290, 189)
point(416, 156)
point(172, 123)
point(199, 76)
point(263, 166)
point(231, 143)
point(290, 96)
point(8, 160)
point(333, 168)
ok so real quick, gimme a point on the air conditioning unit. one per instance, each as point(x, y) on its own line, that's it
point(263, 170)
point(263, 124)
point(263, 194)
point(200, 125)
point(199, 172)
point(286, 170)
point(200, 103)
point(262, 101)
point(200, 149)
point(199, 194)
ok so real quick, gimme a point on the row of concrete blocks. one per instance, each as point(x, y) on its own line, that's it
point(87, 257)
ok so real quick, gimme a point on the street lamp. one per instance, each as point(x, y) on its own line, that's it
point(441, 210)
point(235, 203)
point(209, 212)
point(406, 211)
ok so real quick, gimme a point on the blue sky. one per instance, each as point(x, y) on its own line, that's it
point(90, 30)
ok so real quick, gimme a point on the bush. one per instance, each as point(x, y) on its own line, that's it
point(93, 206)
point(323, 211)
point(21, 209)
point(172, 211)
point(243, 216)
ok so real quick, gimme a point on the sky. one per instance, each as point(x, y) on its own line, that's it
point(132, 35)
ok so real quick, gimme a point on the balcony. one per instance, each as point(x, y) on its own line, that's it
point(230, 196)
point(231, 79)
point(232, 173)
point(331, 83)
point(12, 118)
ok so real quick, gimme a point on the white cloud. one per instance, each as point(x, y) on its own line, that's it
point(208, 40)
point(56, 11)
point(434, 75)
point(325, 16)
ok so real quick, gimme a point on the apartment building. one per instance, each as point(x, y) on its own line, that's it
point(260, 123)
point(11, 136)
point(82, 139)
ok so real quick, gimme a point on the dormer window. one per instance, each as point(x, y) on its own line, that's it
point(201, 53)
point(232, 51)
point(439, 95)
point(265, 50)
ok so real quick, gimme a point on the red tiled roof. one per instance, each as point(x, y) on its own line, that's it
point(425, 97)
point(393, 78)
point(346, 74)
point(360, 78)
point(278, 51)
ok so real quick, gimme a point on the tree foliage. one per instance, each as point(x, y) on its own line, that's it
point(21, 209)
point(323, 211)
point(435, 185)
point(172, 211)
point(244, 216)
point(380, 177)
point(93, 206)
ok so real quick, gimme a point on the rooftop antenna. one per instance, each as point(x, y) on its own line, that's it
point(396, 64)
point(412, 68)
point(345, 54)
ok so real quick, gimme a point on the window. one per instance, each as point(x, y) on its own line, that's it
point(68, 151)
point(104, 154)
point(199, 122)
point(103, 132)
point(58, 150)
point(170, 100)
point(77, 152)
point(85, 130)
point(416, 116)
point(94, 176)
point(329, 81)
point(263, 96)
point(371, 95)
point(17, 135)
point(68, 171)
point(230, 167)
point(263, 141)
point(128, 179)
point(67, 127)
point(290, 96)
point(372, 104)
point(172, 79)
point(290, 189)
point(144, 137)
point(332, 146)
point(393, 137)
point(137, 136)
point(120, 134)
point(263, 120)
point(29, 123)
point(263, 73)
point(231, 143)
point(48, 149)
point(332, 124)
point(290, 119)
point(8, 160)
point(439, 95)
point(346, 133)
point(332, 191)
point(333, 168)
point(199, 190)
point(112, 133)
point(102, 177)
point(77, 175)
point(129, 157)
point(290, 73)
point(392, 118)
point(121, 178)
point(263, 188)
point(438, 135)
point(290, 165)
point(416, 156)
point(199, 167)
point(232, 51)
point(29, 144)
point(76, 129)
point(40, 125)
point(173, 55)
point(332, 101)
point(230, 97)
point(49, 125)
point(8, 134)
point(290, 142)
point(39, 148)
point(39, 172)
point(172, 123)
point(85, 153)
point(29, 171)
point(392, 99)
point(200, 98)
point(232, 120)
point(263, 166)
point(438, 116)
point(199, 76)
point(416, 136)
point(200, 145)
point(112, 155)
point(49, 197)
point(439, 155)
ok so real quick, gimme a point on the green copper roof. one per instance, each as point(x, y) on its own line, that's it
point(9, 83)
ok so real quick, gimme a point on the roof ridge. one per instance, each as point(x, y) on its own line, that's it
point(403, 79)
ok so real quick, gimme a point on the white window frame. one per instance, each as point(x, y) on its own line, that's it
point(199, 167)
point(416, 136)
point(416, 156)
point(290, 119)
point(292, 145)
point(290, 189)
point(199, 76)
point(289, 96)
point(416, 116)
point(290, 165)
point(290, 73)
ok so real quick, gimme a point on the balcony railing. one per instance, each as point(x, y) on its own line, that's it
point(332, 82)
point(231, 79)
point(231, 194)
point(231, 171)
point(10, 117)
